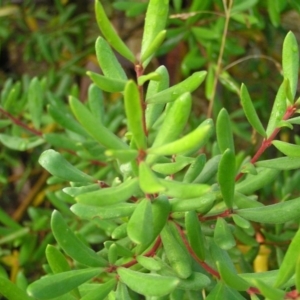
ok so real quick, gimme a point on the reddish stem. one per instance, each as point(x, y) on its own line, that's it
point(20, 123)
point(150, 253)
point(268, 142)
point(139, 72)
point(194, 255)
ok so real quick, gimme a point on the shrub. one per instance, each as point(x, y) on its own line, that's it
point(180, 216)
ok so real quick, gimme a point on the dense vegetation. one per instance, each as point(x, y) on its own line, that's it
point(170, 170)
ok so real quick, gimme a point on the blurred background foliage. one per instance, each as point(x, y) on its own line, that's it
point(54, 42)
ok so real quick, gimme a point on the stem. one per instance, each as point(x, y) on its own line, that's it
point(139, 72)
point(268, 142)
point(194, 255)
point(219, 63)
point(20, 123)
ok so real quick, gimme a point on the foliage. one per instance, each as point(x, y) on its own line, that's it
point(157, 203)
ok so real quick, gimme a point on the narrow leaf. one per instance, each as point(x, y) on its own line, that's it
point(175, 120)
point(178, 258)
point(140, 224)
point(195, 139)
point(224, 132)
point(90, 212)
point(155, 22)
point(55, 164)
point(107, 84)
point(250, 111)
point(73, 247)
point(108, 62)
point(52, 286)
point(11, 291)
point(223, 236)
point(231, 278)
point(94, 127)
point(268, 291)
point(35, 102)
point(278, 110)
point(164, 285)
point(171, 94)
point(272, 214)
point(134, 113)
point(194, 233)
point(153, 47)
point(226, 177)
point(149, 183)
point(110, 34)
point(110, 195)
point(281, 163)
point(288, 265)
point(101, 291)
point(288, 149)
point(290, 61)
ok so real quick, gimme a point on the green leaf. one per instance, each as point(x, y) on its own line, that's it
point(90, 212)
point(149, 183)
point(178, 258)
point(184, 190)
point(57, 261)
point(134, 113)
point(96, 102)
point(224, 132)
point(148, 263)
point(171, 94)
point(107, 84)
point(11, 291)
point(250, 111)
point(290, 61)
point(110, 34)
point(164, 285)
point(61, 140)
point(195, 169)
point(288, 149)
point(110, 195)
point(197, 203)
point(64, 119)
point(153, 47)
point(155, 22)
point(196, 282)
point(297, 279)
point(195, 139)
point(194, 233)
point(223, 292)
point(123, 156)
point(56, 165)
point(223, 236)
point(73, 247)
point(18, 143)
point(170, 168)
point(281, 163)
point(253, 183)
point(241, 222)
point(226, 177)
point(78, 190)
point(140, 224)
point(155, 76)
point(59, 284)
point(8, 221)
point(101, 291)
point(153, 111)
point(278, 110)
point(35, 102)
point(231, 278)
point(177, 115)
point(94, 127)
point(288, 265)
point(268, 291)
point(272, 214)
point(108, 62)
